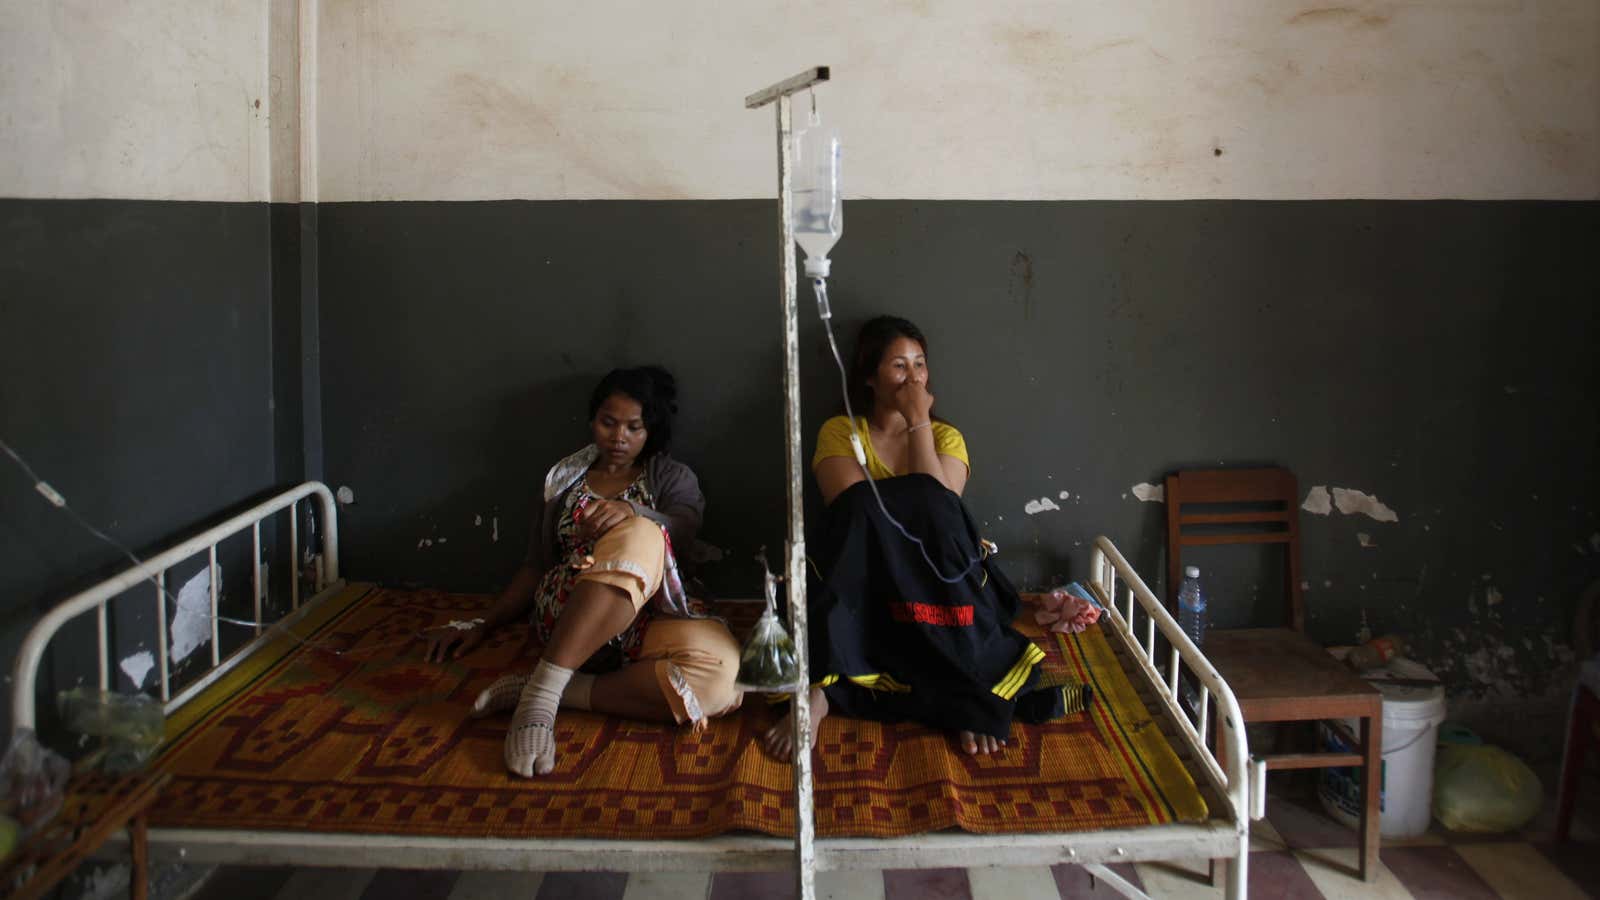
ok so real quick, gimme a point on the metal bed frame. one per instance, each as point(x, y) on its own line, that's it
point(1233, 789)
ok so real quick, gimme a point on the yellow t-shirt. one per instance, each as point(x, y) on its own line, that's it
point(834, 440)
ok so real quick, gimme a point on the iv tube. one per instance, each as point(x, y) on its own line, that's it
point(820, 287)
point(818, 213)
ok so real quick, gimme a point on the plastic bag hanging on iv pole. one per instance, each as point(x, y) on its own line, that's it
point(767, 663)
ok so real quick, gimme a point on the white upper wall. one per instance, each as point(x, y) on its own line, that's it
point(112, 98)
point(492, 99)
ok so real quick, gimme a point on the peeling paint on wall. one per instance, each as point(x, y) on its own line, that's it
point(1043, 504)
point(1317, 501)
point(191, 625)
point(137, 667)
point(1351, 502)
point(1149, 493)
point(1065, 495)
point(1364, 539)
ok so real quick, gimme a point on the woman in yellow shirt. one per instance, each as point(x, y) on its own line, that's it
point(898, 436)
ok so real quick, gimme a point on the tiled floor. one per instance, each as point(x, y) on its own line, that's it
point(1297, 852)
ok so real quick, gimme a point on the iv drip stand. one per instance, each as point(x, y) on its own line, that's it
point(795, 568)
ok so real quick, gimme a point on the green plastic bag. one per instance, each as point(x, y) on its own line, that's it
point(1483, 789)
point(130, 726)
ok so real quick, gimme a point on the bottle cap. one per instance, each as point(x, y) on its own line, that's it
point(1191, 572)
point(818, 268)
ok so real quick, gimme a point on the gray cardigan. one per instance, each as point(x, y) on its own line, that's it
point(679, 504)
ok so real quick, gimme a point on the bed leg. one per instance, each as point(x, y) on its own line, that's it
point(1238, 874)
point(1217, 869)
point(139, 846)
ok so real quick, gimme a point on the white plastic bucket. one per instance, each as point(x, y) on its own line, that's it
point(1411, 717)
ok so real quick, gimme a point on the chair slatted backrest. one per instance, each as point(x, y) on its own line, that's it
point(1241, 506)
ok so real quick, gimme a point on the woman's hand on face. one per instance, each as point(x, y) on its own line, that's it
point(450, 642)
point(912, 400)
point(603, 516)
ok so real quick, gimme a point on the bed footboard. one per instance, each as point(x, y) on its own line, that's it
point(154, 570)
point(1232, 776)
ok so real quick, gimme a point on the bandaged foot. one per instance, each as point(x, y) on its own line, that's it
point(531, 742)
point(502, 694)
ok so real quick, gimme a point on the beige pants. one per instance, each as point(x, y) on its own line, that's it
point(696, 660)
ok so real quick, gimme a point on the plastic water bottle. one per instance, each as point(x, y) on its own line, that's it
point(818, 202)
point(1192, 606)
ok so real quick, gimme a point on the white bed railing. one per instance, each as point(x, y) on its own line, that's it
point(1234, 776)
point(1230, 777)
point(154, 570)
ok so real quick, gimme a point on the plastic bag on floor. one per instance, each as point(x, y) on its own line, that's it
point(1483, 789)
point(33, 781)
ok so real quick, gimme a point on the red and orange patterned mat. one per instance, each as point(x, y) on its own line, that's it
point(374, 740)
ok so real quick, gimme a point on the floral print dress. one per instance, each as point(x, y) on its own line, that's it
point(556, 586)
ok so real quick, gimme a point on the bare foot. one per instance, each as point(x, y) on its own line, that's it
point(779, 739)
point(980, 743)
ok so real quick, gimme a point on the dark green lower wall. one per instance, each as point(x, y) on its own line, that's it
point(1437, 355)
point(136, 377)
point(163, 361)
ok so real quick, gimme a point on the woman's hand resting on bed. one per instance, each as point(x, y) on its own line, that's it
point(451, 642)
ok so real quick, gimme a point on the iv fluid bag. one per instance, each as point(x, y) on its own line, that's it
point(818, 202)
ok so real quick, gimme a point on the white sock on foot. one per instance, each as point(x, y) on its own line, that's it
point(530, 744)
point(499, 696)
point(503, 693)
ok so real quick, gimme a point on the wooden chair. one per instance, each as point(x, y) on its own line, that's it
point(1277, 673)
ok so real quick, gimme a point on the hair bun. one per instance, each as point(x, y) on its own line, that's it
point(666, 386)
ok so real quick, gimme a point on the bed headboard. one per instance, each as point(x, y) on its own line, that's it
point(154, 569)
